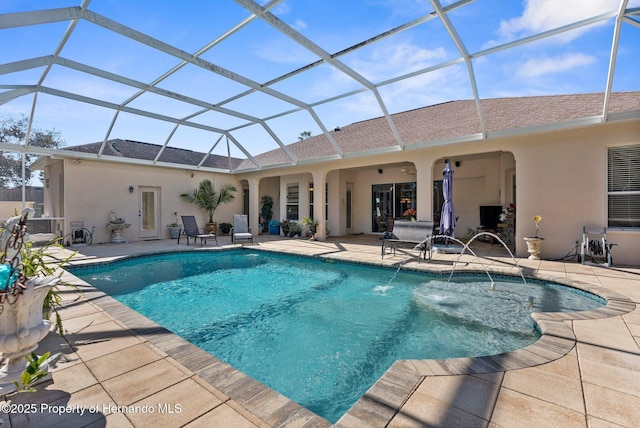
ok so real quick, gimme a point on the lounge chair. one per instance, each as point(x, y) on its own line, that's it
point(241, 229)
point(191, 230)
point(415, 235)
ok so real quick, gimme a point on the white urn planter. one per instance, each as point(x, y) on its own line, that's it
point(21, 328)
point(21, 304)
point(534, 246)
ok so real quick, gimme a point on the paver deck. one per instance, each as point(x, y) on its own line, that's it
point(119, 369)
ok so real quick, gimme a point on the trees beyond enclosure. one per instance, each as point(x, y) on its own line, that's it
point(13, 131)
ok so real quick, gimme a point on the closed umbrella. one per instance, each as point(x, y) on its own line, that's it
point(448, 215)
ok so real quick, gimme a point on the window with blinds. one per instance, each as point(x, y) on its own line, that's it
point(623, 186)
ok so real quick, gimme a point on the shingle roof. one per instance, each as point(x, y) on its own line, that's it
point(455, 119)
point(146, 151)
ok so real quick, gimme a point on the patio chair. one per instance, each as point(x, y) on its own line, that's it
point(385, 224)
point(241, 229)
point(191, 230)
point(415, 235)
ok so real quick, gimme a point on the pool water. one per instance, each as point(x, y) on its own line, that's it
point(322, 333)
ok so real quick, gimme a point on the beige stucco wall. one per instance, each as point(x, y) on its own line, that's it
point(94, 189)
point(562, 176)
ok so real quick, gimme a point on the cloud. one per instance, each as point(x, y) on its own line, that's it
point(390, 60)
point(550, 65)
point(542, 15)
point(299, 25)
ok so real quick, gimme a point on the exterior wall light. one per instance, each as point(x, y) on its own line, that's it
point(131, 189)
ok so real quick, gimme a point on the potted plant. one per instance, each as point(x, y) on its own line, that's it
point(410, 214)
point(294, 229)
point(175, 227)
point(284, 224)
point(225, 228)
point(208, 199)
point(310, 223)
point(534, 243)
point(266, 211)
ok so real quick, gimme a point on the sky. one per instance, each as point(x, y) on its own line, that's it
point(417, 67)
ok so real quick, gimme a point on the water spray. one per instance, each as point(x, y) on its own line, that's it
point(385, 287)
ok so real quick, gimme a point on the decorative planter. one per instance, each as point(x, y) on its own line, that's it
point(212, 227)
point(225, 228)
point(116, 227)
point(21, 328)
point(534, 246)
point(174, 231)
point(21, 303)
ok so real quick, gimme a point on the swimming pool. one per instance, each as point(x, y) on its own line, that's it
point(323, 333)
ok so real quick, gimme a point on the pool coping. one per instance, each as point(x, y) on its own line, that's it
point(379, 404)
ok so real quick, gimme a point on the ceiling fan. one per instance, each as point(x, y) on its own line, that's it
point(406, 170)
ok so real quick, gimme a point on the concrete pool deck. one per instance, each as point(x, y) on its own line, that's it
point(120, 369)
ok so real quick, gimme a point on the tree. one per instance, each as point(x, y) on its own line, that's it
point(13, 131)
point(207, 198)
point(304, 135)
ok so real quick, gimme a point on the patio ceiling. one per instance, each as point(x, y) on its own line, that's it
point(238, 79)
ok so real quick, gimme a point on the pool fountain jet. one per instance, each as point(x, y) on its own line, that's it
point(386, 287)
point(466, 247)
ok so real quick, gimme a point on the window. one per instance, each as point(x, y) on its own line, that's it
point(405, 198)
point(623, 186)
point(292, 201)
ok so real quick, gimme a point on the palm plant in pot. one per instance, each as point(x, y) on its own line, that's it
point(266, 212)
point(208, 199)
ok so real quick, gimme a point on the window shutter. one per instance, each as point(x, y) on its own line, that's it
point(623, 186)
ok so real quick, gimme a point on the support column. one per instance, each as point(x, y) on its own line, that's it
point(424, 184)
point(254, 204)
point(319, 201)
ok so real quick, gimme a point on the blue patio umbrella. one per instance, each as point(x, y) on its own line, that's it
point(448, 215)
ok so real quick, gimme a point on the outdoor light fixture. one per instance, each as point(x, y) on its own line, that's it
point(131, 189)
point(76, 161)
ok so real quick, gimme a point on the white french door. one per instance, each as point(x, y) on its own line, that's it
point(148, 212)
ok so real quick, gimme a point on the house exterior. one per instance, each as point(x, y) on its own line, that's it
point(559, 157)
